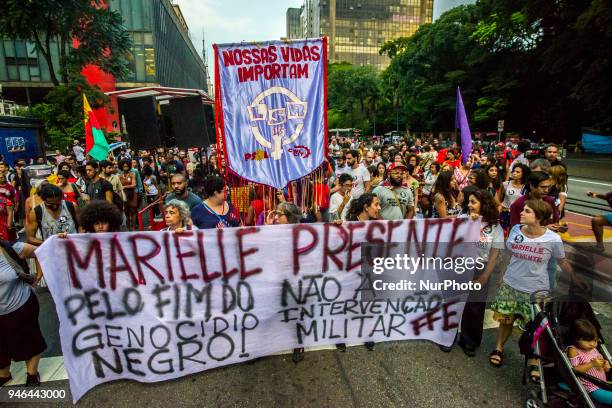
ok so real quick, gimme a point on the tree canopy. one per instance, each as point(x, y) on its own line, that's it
point(62, 111)
point(542, 66)
point(98, 32)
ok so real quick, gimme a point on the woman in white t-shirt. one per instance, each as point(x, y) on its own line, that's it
point(481, 206)
point(531, 246)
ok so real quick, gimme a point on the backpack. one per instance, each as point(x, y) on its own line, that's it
point(38, 211)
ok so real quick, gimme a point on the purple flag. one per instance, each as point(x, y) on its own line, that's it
point(461, 122)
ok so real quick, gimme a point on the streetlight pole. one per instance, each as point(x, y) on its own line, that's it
point(396, 119)
point(396, 111)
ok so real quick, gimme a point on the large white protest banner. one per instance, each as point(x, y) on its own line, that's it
point(154, 306)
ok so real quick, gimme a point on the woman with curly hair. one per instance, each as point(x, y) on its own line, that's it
point(511, 190)
point(364, 208)
point(481, 206)
point(444, 204)
point(414, 161)
point(129, 183)
point(100, 216)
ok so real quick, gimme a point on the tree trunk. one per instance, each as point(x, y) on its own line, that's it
point(63, 45)
point(46, 52)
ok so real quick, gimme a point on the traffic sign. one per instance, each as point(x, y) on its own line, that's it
point(500, 125)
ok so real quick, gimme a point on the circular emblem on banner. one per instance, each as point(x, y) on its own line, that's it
point(273, 109)
point(487, 229)
point(519, 238)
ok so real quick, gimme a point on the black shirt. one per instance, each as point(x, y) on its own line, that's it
point(97, 190)
point(558, 162)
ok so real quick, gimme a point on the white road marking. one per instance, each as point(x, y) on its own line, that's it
point(590, 182)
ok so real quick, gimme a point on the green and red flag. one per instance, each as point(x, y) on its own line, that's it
point(96, 145)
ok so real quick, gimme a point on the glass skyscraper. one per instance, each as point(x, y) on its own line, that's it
point(294, 28)
point(358, 28)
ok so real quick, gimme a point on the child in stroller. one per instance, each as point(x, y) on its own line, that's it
point(585, 358)
point(567, 338)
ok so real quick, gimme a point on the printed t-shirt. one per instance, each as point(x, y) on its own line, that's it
point(527, 271)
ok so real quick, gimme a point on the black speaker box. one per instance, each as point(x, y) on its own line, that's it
point(188, 122)
point(142, 122)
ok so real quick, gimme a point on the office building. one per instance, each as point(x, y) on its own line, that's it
point(162, 55)
point(357, 29)
point(294, 25)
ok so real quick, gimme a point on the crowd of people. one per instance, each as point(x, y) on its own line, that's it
point(515, 198)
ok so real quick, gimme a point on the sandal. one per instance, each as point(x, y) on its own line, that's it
point(496, 362)
point(298, 355)
point(534, 374)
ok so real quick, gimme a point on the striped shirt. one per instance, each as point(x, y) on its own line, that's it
point(583, 358)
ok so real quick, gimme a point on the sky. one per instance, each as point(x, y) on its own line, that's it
point(440, 6)
point(227, 21)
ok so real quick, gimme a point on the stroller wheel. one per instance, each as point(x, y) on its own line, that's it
point(533, 403)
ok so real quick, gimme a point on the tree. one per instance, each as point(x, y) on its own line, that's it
point(542, 66)
point(62, 111)
point(426, 68)
point(353, 93)
point(101, 38)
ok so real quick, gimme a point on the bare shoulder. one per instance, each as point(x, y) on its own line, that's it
point(572, 352)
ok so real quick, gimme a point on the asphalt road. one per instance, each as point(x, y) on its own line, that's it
point(579, 202)
point(591, 166)
point(588, 172)
point(395, 374)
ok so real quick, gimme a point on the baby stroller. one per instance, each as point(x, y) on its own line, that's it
point(545, 339)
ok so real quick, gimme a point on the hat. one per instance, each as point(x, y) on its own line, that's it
point(397, 166)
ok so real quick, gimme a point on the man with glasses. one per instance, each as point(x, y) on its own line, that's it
point(53, 216)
